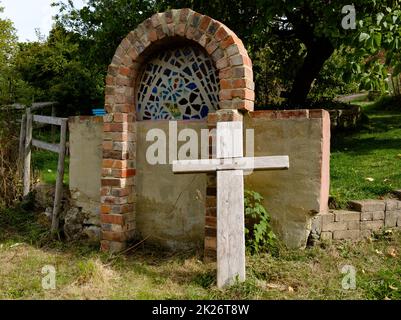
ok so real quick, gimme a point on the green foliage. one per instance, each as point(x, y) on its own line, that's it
point(10, 179)
point(259, 234)
point(56, 72)
point(332, 81)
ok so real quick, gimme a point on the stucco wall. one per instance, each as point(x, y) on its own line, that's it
point(294, 196)
point(170, 209)
point(86, 139)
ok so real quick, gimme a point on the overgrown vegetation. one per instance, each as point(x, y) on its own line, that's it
point(82, 272)
point(10, 167)
point(259, 234)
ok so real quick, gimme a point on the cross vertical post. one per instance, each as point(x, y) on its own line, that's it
point(230, 165)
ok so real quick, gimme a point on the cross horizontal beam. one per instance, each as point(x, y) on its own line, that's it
point(245, 163)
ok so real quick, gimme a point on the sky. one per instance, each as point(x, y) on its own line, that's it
point(28, 15)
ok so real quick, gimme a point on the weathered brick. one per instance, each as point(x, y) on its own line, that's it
point(221, 34)
point(210, 242)
point(368, 205)
point(112, 218)
point(346, 234)
point(347, 216)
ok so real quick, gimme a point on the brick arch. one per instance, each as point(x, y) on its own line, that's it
point(236, 92)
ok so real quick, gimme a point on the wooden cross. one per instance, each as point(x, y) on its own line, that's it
point(230, 165)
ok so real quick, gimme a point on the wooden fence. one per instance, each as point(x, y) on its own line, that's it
point(25, 147)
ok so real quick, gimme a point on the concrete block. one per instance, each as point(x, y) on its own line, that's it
point(368, 205)
point(317, 224)
point(367, 216)
point(366, 233)
point(393, 204)
point(372, 225)
point(347, 216)
point(378, 215)
point(346, 234)
point(341, 226)
point(391, 218)
point(327, 217)
point(326, 235)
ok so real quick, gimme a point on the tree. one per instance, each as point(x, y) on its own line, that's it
point(55, 70)
point(8, 46)
point(314, 27)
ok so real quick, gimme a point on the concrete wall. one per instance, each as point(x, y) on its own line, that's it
point(292, 197)
point(86, 139)
point(169, 208)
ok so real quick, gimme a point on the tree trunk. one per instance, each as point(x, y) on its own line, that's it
point(318, 52)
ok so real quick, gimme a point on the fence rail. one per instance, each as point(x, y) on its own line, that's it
point(25, 155)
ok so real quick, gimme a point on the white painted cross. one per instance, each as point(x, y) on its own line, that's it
point(230, 165)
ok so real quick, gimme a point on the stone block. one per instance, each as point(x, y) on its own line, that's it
point(347, 216)
point(326, 235)
point(346, 234)
point(391, 218)
point(341, 226)
point(372, 225)
point(392, 205)
point(378, 215)
point(367, 216)
point(368, 205)
point(317, 224)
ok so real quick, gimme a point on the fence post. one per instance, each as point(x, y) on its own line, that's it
point(21, 150)
point(60, 177)
point(27, 153)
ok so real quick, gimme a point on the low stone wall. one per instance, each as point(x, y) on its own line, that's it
point(345, 118)
point(367, 216)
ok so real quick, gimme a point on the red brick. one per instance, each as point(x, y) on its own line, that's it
point(204, 23)
point(225, 94)
point(120, 117)
point(124, 71)
point(111, 182)
point(107, 145)
point(107, 163)
point(227, 42)
point(225, 84)
point(105, 209)
point(115, 236)
point(121, 192)
point(110, 80)
point(120, 164)
point(246, 94)
point(112, 218)
point(221, 34)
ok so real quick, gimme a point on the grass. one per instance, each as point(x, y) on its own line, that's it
point(367, 164)
point(44, 163)
point(82, 272)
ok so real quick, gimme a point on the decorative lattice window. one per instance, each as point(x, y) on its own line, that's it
point(180, 84)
